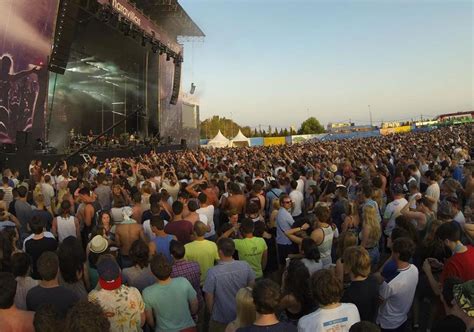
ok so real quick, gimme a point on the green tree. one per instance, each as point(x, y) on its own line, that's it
point(311, 126)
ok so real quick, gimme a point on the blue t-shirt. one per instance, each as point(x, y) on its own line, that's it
point(284, 221)
point(224, 281)
point(163, 246)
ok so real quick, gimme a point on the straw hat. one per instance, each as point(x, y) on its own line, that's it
point(98, 244)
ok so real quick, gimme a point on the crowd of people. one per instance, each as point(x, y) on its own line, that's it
point(353, 235)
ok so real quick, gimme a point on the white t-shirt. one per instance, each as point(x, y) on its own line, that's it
point(434, 192)
point(208, 213)
point(398, 296)
point(147, 229)
point(459, 218)
point(392, 211)
point(325, 320)
point(300, 186)
point(298, 199)
point(48, 193)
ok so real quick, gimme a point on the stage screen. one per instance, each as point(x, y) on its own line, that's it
point(189, 116)
point(26, 32)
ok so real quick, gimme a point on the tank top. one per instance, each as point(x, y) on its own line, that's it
point(66, 227)
point(326, 246)
point(163, 246)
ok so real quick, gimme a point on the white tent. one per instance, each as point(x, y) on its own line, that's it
point(240, 140)
point(219, 141)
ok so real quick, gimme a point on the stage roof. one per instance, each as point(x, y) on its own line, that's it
point(171, 16)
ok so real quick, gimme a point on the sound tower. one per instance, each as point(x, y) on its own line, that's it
point(66, 23)
point(176, 82)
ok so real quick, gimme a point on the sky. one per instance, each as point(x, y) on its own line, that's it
point(275, 62)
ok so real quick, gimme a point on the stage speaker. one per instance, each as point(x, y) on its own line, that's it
point(176, 82)
point(183, 144)
point(23, 140)
point(66, 24)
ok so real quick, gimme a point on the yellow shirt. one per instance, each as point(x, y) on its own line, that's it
point(204, 253)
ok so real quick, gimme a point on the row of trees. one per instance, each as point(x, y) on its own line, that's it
point(211, 126)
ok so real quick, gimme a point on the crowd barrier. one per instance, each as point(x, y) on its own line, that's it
point(269, 141)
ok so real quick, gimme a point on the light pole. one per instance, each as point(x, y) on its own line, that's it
point(370, 115)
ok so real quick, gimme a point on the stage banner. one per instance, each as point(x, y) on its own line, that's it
point(402, 129)
point(387, 131)
point(256, 141)
point(267, 141)
point(26, 33)
point(301, 138)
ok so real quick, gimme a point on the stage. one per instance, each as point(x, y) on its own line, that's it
point(20, 160)
point(85, 67)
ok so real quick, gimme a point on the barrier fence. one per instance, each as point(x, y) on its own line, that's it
point(294, 139)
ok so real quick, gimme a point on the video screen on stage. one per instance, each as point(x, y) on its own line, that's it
point(25, 44)
point(189, 116)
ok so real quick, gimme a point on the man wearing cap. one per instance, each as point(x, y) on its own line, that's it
point(122, 305)
point(127, 232)
point(97, 247)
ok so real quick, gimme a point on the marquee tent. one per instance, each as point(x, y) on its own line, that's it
point(219, 141)
point(240, 140)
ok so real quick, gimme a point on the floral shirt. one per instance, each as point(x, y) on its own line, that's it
point(122, 306)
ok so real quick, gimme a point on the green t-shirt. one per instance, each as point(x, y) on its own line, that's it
point(204, 253)
point(170, 304)
point(251, 251)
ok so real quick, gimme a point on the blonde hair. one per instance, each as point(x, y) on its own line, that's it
point(357, 261)
point(276, 204)
point(370, 221)
point(246, 313)
point(346, 240)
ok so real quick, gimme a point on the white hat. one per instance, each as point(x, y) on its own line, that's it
point(98, 244)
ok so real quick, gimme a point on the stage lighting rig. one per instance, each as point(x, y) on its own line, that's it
point(155, 46)
point(144, 40)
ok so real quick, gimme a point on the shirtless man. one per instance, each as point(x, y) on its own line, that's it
point(126, 233)
point(86, 214)
point(236, 200)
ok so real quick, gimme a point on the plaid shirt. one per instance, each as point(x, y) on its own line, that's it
point(189, 270)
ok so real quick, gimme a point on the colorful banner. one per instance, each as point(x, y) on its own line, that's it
point(256, 141)
point(26, 32)
point(402, 129)
point(267, 141)
point(388, 131)
point(301, 138)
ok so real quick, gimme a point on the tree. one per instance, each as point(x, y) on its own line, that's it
point(311, 126)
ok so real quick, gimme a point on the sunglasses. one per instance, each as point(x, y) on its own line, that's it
point(287, 202)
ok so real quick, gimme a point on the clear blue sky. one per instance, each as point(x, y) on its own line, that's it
point(274, 62)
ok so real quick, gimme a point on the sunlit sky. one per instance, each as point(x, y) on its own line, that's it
point(275, 62)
